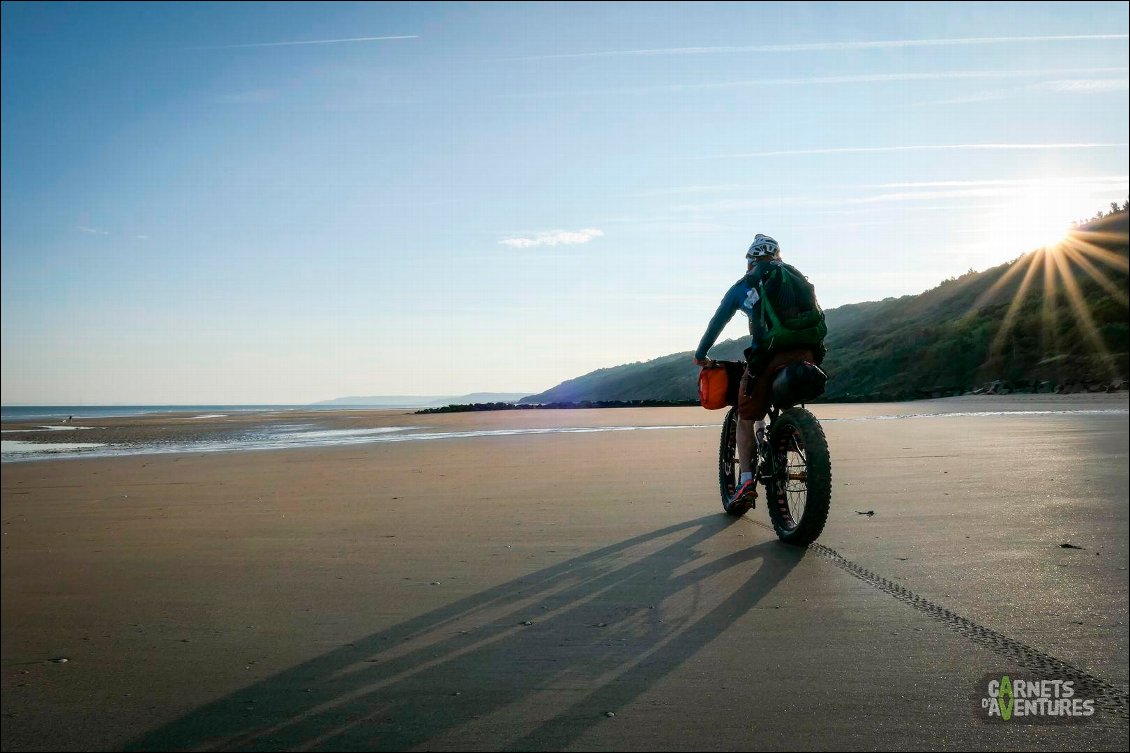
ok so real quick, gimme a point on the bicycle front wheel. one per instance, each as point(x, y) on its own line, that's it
point(728, 470)
point(800, 486)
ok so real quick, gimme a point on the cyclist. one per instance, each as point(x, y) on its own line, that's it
point(754, 393)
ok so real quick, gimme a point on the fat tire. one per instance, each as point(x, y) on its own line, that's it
point(727, 451)
point(818, 479)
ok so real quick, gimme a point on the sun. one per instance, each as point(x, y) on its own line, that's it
point(1038, 215)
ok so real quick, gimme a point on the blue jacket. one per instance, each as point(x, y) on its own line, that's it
point(742, 296)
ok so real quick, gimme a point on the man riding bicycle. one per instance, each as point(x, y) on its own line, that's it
point(763, 359)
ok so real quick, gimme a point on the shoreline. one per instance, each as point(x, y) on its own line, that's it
point(212, 411)
point(264, 431)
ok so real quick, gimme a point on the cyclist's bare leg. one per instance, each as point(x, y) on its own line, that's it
point(745, 445)
point(746, 437)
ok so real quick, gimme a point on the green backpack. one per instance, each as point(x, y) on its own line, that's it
point(790, 315)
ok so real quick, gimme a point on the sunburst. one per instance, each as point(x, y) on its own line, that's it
point(1055, 266)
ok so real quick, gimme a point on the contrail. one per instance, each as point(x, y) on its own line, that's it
point(869, 78)
point(311, 41)
point(820, 46)
point(1076, 179)
point(921, 148)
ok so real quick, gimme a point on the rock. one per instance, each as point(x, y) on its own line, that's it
point(1069, 546)
point(610, 714)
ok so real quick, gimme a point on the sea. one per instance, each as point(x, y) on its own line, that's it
point(294, 435)
point(21, 413)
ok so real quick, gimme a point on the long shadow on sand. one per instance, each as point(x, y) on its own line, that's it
point(529, 665)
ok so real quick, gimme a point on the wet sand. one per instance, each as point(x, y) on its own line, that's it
point(565, 591)
point(165, 430)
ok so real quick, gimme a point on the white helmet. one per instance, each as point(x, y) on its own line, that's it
point(763, 247)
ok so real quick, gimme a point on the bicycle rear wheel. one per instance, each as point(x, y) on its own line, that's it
point(728, 470)
point(799, 489)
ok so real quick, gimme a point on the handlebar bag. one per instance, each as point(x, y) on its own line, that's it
point(718, 387)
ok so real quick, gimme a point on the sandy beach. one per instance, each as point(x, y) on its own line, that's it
point(558, 591)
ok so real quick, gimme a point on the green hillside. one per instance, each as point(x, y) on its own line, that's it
point(1058, 317)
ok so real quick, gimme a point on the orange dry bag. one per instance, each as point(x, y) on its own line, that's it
point(712, 384)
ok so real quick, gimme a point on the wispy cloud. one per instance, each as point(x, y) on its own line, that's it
point(1059, 86)
point(918, 196)
point(925, 148)
point(1086, 85)
point(1098, 180)
point(901, 219)
point(912, 193)
point(771, 202)
point(93, 230)
point(831, 46)
point(735, 187)
point(554, 238)
point(953, 193)
point(967, 99)
point(304, 42)
point(866, 78)
point(872, 209)
point(689, 189)
point(667, 223)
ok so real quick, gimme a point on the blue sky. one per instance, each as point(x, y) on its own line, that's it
point(227, 203)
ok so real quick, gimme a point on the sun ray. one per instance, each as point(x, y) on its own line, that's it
point(1049, 316)
point(1077, 257)
point(1106, 256)
point(1017, 267)
point(1100, 236)
point(1082, 314)
point(1017, 301)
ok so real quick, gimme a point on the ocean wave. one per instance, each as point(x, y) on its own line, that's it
point(292, 436)
point(16, 446)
